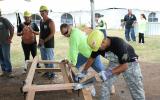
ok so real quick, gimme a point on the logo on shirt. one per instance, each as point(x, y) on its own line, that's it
point(125, 57)
point(45, 26)
point(1, 23)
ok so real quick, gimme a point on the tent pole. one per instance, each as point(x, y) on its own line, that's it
point(92, 15)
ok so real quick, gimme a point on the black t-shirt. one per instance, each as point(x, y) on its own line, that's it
point(120, 48)
point(129, 20)
point(45, 31)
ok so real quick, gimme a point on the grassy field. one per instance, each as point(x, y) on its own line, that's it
point(149, 52)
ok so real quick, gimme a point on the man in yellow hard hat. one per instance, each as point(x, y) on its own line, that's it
point(28, 31)
point(122, 59)
point(79, 50)
point(46, 39)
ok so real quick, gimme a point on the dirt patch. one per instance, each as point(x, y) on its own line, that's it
point(10, 88)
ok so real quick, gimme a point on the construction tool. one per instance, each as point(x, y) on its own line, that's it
point(84, 84)
point(89, 81)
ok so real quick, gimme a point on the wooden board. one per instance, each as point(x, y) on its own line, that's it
point(66, 70)
point(65, 75)
point(50, 87)
point(86, 94)
point(45, 61)
point(30, 95)
point(48, 70)
point(31, 72)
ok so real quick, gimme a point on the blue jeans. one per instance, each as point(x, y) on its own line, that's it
point(104, 32)
point(47, 54)
point(97, 65)
point(127, 34)
point(5, 58)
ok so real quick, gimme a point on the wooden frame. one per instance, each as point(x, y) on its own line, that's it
point(67, 71)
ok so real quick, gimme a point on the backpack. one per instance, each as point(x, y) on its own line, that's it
point(27, 36)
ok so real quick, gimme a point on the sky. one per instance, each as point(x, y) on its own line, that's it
point(8, 6)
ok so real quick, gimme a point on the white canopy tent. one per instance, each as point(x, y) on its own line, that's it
point(10, 6)
point(80, 10)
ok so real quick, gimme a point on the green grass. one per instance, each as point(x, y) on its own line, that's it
point(149, 52)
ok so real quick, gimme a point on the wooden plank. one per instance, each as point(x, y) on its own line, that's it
point(46, 61)
point(86, 94)
point(50, 87)
point(74, 69)
point(48, 69)
point(69, 72)
point(30, 95)
point(31, 73)
point(65, 75)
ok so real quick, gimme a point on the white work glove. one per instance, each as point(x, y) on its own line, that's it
point(105, 75)
point(80, 75)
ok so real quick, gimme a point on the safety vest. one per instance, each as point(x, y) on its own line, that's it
point(101, 24)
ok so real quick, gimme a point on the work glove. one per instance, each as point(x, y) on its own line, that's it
point(80, 75)
point(105, 75)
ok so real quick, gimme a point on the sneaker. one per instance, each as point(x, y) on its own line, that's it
point(10, 75)
point(24, 71)
point(2, 74)
point(51, 75)
point(38, 65)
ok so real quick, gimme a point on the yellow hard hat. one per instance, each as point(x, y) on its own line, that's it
point(95, 39)
point(43, 8)
point(27, 14)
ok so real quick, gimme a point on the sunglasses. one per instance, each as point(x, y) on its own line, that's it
point(65, 33)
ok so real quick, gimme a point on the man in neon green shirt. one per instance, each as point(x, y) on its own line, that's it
point(79, 50)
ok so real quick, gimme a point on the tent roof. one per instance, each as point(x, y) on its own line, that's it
point(10, 6)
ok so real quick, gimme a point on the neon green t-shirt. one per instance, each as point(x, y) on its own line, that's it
point(78, 44)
